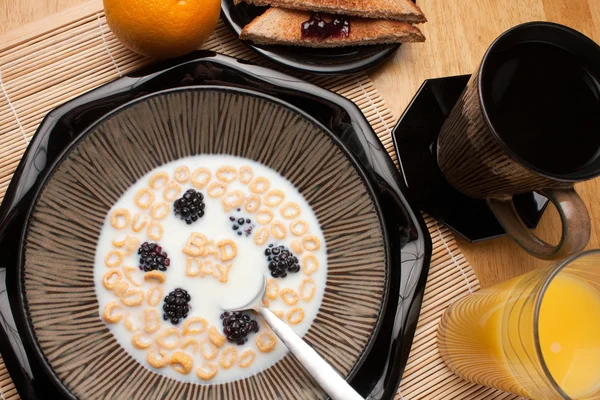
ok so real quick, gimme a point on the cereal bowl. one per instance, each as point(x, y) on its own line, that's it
point(70, 210)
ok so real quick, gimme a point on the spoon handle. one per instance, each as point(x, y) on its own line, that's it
point(333, 384)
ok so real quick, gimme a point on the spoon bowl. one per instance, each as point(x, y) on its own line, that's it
point(256, 301)
point(327, 377)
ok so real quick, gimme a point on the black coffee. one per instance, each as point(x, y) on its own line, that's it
point(545, 106)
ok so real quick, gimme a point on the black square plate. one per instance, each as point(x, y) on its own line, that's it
point(415, 138)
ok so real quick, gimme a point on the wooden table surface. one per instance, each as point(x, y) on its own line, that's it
point(458, 32)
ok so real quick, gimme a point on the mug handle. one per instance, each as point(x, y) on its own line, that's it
point(574, 217)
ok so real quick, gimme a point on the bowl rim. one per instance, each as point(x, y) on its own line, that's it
point(23, 304)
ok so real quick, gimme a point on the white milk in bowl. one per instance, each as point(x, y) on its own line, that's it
point(196, 235)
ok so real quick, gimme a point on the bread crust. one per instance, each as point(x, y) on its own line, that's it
point(398, 10)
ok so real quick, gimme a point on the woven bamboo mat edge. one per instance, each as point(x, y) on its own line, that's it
point(53, 60)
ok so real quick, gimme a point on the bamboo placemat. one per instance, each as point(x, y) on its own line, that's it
point(54, 60)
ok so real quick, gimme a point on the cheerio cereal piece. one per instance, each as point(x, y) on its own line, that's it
point(159, 180)
point(265, 341)
point(159, 210)
point(195, 245)
point(228, 357)
point(246, 174)
point(274, 198)
point(207, 371)
point(215, 337)
point(200, 178)
point(182, 174)
point(139, 222)
point(154, 295)
point(181, 362)
point(111, 278)
point(261, 236)
point(246, 358)
point(168, 338)
point(278, 230)
point(272, 289)
point(309, 264)
point(264, 216)
point(259, 185)
point(172, 191)
point(290, 210)
point(114, 258)
point(216, 189)
point(296, 247)
point(112, 313)
point(307, 289)
point(211, 249)
point(121, 288)
point(311, 243)
point(144, 198)
point(209, 268)
point(129, 275)
point(130, 323)
point(155, 276)
point(194, 326)
point(280, 314)
point(155, 231)
point(190, 342)
point(299, 227)
point(266, 302)
point(228, 249)
point(120, 218)
point(289, 296)
point(131, 245)
point(193, 266)
point(208, 349)
point(223, 272)
point(133, 297)
point(295, 315)
point(252, 203)
point(232, 200)
point(119, 241)
point(140, 341)
point(157, 358)
point(151, 320)
point(226, 174)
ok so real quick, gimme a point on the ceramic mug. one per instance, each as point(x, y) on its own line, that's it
point(529, 120)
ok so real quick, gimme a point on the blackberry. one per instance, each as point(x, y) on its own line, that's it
point(281, 261)
point(190, 206)
point(237, 326)
point(152, 257)
point(176, 306)
point(243, 226)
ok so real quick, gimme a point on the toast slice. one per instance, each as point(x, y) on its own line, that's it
point(282, 26)
point(399, 10)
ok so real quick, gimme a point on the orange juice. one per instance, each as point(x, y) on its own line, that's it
point(496, 337)
point(470, 339)
point(569, 331)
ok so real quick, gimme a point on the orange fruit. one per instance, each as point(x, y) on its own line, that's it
point(162, 28)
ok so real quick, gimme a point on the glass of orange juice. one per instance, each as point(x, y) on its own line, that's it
point(537, 335)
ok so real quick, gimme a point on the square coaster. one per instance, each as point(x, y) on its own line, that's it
point(415, 136)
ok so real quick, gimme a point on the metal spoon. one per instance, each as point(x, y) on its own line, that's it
point(333, 384)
